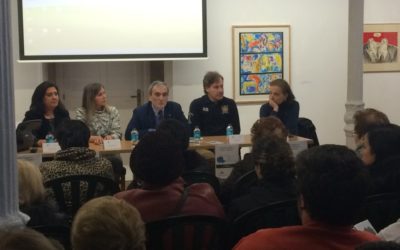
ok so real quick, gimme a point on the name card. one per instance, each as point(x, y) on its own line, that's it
point(236, 139)
point(114, 144)
point(226, 154)
point(50, 148)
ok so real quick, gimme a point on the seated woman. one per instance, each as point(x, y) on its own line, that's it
point(46, 106)
point(32, 198)
point(75, 157)
point(282, 104)
point(381, 154)
point(274, 166)
point(103, 121)
point(262, 127)
point(157, 161)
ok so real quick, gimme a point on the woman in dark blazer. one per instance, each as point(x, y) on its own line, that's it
point(46, 106)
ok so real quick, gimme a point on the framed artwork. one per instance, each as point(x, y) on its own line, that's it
point(380, 46)
point(261, 54)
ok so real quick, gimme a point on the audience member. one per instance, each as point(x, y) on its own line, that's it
point(46, 106)
point(157, 162)
point(213, 112)
point(379, 245)
point(32, 197)
point(332, 185)
point(274, 166)
point(364, 121)
point(381, 153)
point(103, 121)
point(25, 239)
point(75, 157)
point(282, 104)
point(265, 126)
point(108, 223)
point(391, 232)
point(147, 117)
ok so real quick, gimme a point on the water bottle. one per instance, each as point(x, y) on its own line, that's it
point(134, 135)
point(49, 138)
point(197, 135)
point(229, 130)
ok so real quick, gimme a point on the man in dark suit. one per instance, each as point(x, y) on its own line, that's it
point(146, 117)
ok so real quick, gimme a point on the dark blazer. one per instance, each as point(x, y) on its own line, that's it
point(143, 118)
point(45, 128)
point(288, 113)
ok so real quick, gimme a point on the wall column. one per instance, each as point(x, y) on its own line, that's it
point(355, 68)
point(9, 212)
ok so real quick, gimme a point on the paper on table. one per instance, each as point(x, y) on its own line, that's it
point(226, 154)
point(49, 148)
point(114, 144)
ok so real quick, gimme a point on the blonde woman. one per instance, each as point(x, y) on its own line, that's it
point(32, 197)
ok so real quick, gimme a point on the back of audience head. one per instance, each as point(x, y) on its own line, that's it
point(108, 223)
point(24, 239)
point(273, 159)
point(30, 184)
point(381, 143)
point(73, 133)
point(157, 159)
point(177, 129)
point(367, 119)
point(332, 184)
point(379, 245)
point(268, 126)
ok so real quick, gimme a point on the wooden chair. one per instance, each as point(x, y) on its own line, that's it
point(95, 186)
point(202, 177)
point(278, 214)
point(186, 232)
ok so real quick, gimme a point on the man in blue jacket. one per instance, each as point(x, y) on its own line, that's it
point(146, 117)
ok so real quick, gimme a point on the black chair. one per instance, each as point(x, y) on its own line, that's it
point(187, 232)
point(192, 177)
point(60, 233)
point(244, 183)
point(278, 214)
point(95, 186)
point(381, 210)
point(306, 128)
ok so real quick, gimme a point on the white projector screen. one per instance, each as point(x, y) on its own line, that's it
point(63, 30)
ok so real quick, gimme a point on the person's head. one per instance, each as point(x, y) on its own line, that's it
point(379, 245)
point(24, 239)
point(367, 119)
point(107, 223)
point(213, 85)
point(30, 184)
point(280, 91)
point(273, 159)
point(158, 94)
point(268, 126)
point(46, 98)
point(94, 97)
point(332, 184)
point(157, 159)
point(72, 133)
point(381, 143)
point(177, 129)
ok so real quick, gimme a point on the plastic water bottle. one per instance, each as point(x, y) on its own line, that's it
point(196, 135)
point(134, 135)
point(49, 138)
point(229, 130)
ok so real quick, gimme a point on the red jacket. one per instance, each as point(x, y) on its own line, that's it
point(155, 204)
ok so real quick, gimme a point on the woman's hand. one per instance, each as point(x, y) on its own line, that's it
point(96, 139)
point(108, 137)
point(40, 142)
point(274, 105)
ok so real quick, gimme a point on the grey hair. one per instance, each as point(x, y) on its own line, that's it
point(157, 83)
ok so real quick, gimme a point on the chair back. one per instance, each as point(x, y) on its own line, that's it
point(192, 177)
point(381, 210)
point(278, 214)
point(95, 186)
point(243, 185)
point(60, 233)
point(306, 128)
point(187, 232)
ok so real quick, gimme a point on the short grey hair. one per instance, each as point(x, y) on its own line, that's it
point(157, 83)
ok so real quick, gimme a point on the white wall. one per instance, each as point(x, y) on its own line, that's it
point(382, 90)
point(318, 57)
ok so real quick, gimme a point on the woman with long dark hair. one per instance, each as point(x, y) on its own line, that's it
point(46, 106)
